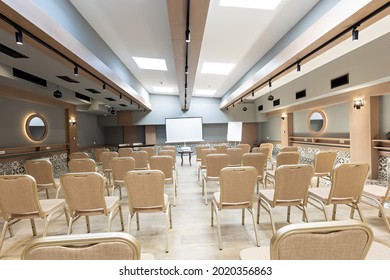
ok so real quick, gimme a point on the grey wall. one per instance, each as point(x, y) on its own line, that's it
point(270, 130)
point(384, 116)
point(337, 121)
point(14, 113)
point(90, 133)
point(167, 106)
point(113, 135)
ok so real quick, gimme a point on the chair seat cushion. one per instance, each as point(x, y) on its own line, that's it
point(50, 205)
point(111, 202)
point(375, 191)
point(267, 195)
point(320, 193)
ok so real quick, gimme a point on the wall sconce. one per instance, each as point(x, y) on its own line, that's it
point(284, 116)
point(357, 104)
point(72, 121)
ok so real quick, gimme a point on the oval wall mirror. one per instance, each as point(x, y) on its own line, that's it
point(316, 122)
point(36, 127)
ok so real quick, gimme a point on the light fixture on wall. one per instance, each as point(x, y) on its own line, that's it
point(355, 33)
point(358, 103)
point(284, 116)
point(299, 66)
point(270, 97)
point(72, 121)
point(19, 37)
point(104, 86)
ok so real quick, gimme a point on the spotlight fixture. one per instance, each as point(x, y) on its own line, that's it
point(104, 86)
point(139, 107)
point(355, 34)
point(253, 93)
point(357, 104)
point(284, 116)
point(131, 102)
point(120, 96)
point(72, 121)
point(57, 93)
point(186, 69)
point(299, 66)
point(188, 36)
point(270, 97)
point(233, 105)
point(76, 70)
point(19, 37)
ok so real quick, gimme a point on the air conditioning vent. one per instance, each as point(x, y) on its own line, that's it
point(123, 105)
point(94, 91)
point(300, 94)
point(260, 108)
point(276, 102)
point(29, 77)
point(10, 52)
point(68, 79)
point(82, 97)
point(340, 81)
point(110, 99)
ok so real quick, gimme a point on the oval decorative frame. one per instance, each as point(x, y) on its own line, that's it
point(33, 134)
point(324, 124)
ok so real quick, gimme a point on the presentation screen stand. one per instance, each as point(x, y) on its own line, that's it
point(234, 132)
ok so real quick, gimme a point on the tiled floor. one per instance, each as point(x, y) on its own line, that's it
point(192, 237)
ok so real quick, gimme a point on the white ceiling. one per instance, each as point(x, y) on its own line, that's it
point(232, 35)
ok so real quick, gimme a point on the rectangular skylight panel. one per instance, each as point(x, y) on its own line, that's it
point(251, 4)
point(205, 92)
point(217, 68)
point(163, 89)
point(151, 63)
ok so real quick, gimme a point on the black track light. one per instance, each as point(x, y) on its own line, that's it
point(19, 37)
point(270, 83)
point(299, 66)
point(104, 86)
point(270, 97)
point(120, 96)
point(188, 36)
point(233, 105)
point(139, 107)
point(131, 102)
point(355, 34)
point(76, 70)
point(57, 93)
point(253, 93)
point(186, 69)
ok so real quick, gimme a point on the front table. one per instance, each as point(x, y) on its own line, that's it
point(189, 153)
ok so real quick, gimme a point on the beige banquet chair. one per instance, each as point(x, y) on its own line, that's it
point(78, 155)
point(119, 167)
point(235, 156)
point(282, 159)
point(237, 186)
point(262, 150)
point(331, 240)
point(258, 161)
point(347, 183)
point(202, 163)
point(221, 149)
point(106, 158)
point(150, 150)
point(288, 149)
point(82, 165)
point(324, 162)
point(171, 152)
point(141, 160)
point(165, 165)
point(245, 147)
point(214, 164)
point(98, 152)
point(145, 189)
point(19, 200)
point(125, 152)
point(93, 246)
point(42, 171)
point(377, 196)
point(84, 193)
point(270, 147)
point(291, 186)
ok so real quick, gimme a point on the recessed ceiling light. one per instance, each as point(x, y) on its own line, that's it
point(217, 68)
point(163, 89)
point(251, 4)
point(151, 63)
point(205, 92)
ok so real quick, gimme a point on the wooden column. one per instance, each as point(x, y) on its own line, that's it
point(286, 129)
point(249, 134)
point(72, 135)
point(150, 134)
point(363, 128)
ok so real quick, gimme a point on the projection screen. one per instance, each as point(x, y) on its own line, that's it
point(184, 129)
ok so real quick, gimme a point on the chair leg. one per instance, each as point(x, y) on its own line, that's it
point(204, 190)
point(218, 227)
point(34, 229)
point(254, 226)
point(334, 212)
point(47, 193)
point(70, 225)
point(318, 182)
point(212, 215)
point(137, 219)
point(88, 225)
point(58, 192)
point(383, 214)
point(243, 216)
point(129, 222)
point(174, 191)
point(288, 213)
point(360, 213)
point(167, 222)
point(258, 212)
point(3, 232)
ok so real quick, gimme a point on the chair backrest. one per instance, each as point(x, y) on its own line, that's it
point(18, 196)
point(98, 152)
point(245, 147)
point(198, 152)
point(257, 160)
point(82, 165)
point(120, 166)
point(270, 147)
point(84, 192)
point(125, 152)
point(151, 151)
point(331, 240)
point(348, 182)
point(324, 161)
point(169, 152)
point(141, 159)
point(205, 152)
point(106, 158)
point(164, 164)
point(287, 158)
point(237, 186)
point(169, 147)
point(215, 163)
point(235, 155)
point(76, 155)
point(91, 246)
point(291, 184)
point(41, 170)
point(289, 149)
point(221, 149)
point(145, 189)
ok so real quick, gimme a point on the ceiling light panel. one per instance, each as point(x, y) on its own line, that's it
point(205, 92)
point(251, 4)
point(217, 68)
point(163, 89)
point(151, 63)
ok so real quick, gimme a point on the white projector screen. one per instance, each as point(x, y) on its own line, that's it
point(234, 132)
point(184, 129)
